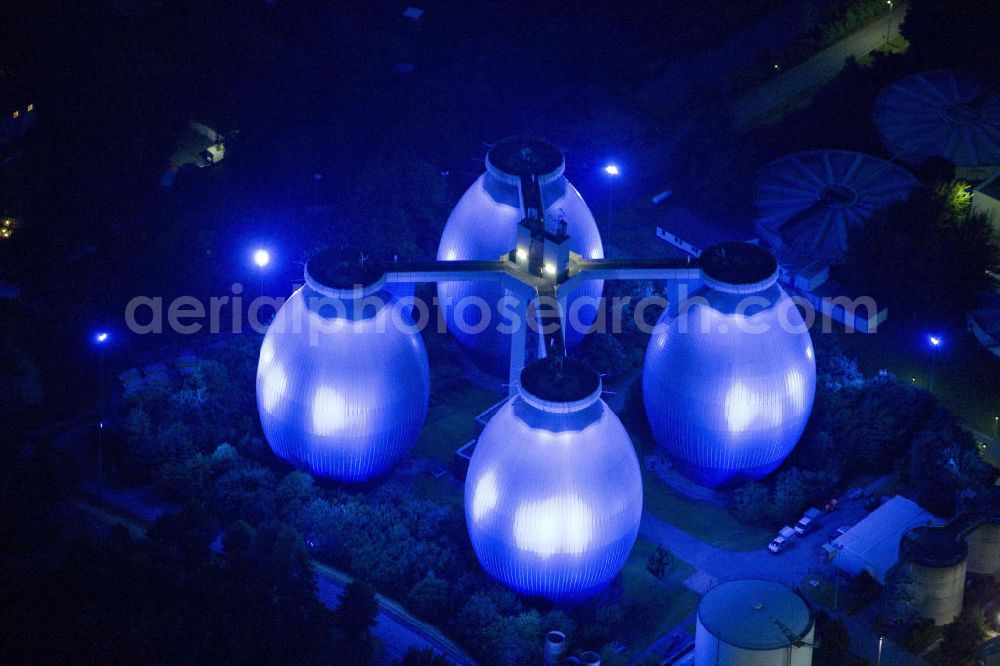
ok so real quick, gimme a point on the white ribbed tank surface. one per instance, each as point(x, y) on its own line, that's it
point(342, 381)
point(728, 382)
point(553, 496)
point(483, 226)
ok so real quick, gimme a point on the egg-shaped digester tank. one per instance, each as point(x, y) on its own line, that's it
point(343, 380)
point(483, 226)
point(553, 495)
point(729, 377)
point(750, 621)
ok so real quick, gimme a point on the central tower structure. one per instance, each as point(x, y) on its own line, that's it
point(524, 180)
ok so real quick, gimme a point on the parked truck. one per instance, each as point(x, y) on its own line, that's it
point(808, 522)
point(782, 541)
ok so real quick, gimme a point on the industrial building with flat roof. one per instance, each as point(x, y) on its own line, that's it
point(873, 544)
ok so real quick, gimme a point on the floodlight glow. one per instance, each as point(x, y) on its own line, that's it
point(935, 340)
point(521, 255)
point(612, 170)
point(101, 337)
point(556, 515)
point(351, 406)
point(742, 411)
point(550, 269)
point(483, 226)
point(261, 257)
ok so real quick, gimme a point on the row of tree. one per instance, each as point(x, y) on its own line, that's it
point(866, 428)
point(410, 548)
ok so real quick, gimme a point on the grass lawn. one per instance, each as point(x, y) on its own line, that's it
point(443, 491)
point(823, 593)
point(707, 521)
point(966, 377)
point(450, 421)
point(897, 44)
point(678, 602)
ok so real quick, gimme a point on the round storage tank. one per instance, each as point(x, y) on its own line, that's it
point(342, 382)
point(935, 567)
point(483, 226)
point(553, 496)
point(757, 622)
point(811, 201)
point(940, 113)
point(729, 382)
point(984, 549)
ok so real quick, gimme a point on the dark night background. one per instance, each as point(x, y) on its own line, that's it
point(395, 115)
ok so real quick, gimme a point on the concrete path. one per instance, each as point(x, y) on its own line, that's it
point(816, 71)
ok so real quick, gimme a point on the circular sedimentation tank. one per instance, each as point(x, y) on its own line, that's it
point(752, 621)
point(553, 495)
point(483, 226)
point(935, 564)
point(940, 113)
point(729, 379)
point(342, 381)
point(810, 202)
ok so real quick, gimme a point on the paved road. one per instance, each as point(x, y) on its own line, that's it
point(395, 628)
point(790, 566)
point(711, 67)
point(819, 69)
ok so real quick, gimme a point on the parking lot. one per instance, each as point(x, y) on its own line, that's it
point(790, 566)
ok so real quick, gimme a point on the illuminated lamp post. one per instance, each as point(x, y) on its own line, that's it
point(612, 171)
point(262, 258)
point(888, 20)
point(935, 341)
point(101, 338)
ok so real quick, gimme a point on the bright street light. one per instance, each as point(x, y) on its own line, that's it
point(611, 169)
point(888, 20)
point(101, 337)
point(935, 341)
point(262, 258)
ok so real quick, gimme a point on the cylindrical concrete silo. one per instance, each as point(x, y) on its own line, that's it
point(758, 622)
point(555, 647)
point(483, 226)
point(553, 496)
point(342, 381)
point(984, 549)
point(934, 566)
point(729, 380)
